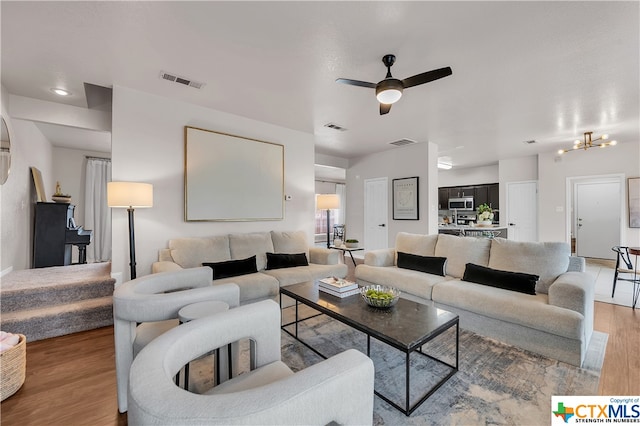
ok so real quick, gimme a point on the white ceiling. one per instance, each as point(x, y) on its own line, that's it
point(547, 71)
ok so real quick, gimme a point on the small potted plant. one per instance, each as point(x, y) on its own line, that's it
point(351, 243)
point(485, 215)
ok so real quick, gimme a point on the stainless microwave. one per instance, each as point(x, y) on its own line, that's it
point(464, 203)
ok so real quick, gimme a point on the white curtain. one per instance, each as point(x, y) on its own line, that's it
point(341, 190)
point(96, 212)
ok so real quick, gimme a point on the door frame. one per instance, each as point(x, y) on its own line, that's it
point(571, 181)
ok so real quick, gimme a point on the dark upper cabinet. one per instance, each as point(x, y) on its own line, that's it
point(489, 194)
point(493, 198)
point(467, 191)
point(443, 198)
point(481, 195)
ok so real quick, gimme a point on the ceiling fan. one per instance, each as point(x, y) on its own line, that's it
point(389, 90)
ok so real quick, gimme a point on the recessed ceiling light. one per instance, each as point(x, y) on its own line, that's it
point(60, 92)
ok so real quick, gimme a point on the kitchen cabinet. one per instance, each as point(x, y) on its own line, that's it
point(443, 198)
point(489, 194)
point(493, 196)
point(481, 195)
point(467, 191)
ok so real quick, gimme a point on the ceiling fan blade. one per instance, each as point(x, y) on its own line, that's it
point(356, 83)
point(385, 108)
point(426, 77)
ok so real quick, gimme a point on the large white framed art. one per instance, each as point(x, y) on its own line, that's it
point(231, 178)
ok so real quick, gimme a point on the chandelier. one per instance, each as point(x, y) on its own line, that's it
point(588, 142)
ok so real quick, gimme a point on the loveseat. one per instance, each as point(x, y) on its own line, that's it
point(233, 250)
point(556, 321)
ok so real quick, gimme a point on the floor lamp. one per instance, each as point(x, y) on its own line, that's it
point(130, 196)
point(328, 202)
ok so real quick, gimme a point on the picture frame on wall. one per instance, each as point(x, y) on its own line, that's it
point(232, 178)
point(634, 202)
point(405, 198)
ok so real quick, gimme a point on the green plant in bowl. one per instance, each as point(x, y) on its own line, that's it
point(352, 243)
point(380, 296)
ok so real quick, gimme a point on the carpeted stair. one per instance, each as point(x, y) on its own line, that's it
point(49, 302)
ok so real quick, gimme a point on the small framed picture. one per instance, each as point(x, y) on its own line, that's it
point(405, 199)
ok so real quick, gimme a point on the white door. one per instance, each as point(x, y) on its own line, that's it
point(597, 218)
point(376, 213)
point(522, 211)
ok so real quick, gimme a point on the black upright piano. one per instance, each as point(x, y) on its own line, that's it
point(55, 233)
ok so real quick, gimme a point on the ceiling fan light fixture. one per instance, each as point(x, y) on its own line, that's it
point(389, 91)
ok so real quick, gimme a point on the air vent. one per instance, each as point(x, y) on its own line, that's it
point(403, 142)
point(531, 142)
point(335, 126)
point(181, 80)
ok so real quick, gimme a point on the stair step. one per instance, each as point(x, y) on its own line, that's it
point(58, 320)
point(33, 288)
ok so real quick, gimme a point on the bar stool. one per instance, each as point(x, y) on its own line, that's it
point(201, 310)
point(635, 251)
point(628, 270)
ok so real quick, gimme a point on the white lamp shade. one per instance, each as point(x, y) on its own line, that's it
point(327, 201)
point(129, 194)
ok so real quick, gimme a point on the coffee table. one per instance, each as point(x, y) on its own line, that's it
point(406, 326)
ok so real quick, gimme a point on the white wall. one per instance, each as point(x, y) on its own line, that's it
point(322, 187)
point(407, 161)
point(29, 148)
point(552, 178)
point(330, 160)
point(148, 146)
point(468, 176)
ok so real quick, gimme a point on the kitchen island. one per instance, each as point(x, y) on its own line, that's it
point(474, 231)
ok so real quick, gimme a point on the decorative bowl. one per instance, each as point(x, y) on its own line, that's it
point(351, 245)
point(380, 296)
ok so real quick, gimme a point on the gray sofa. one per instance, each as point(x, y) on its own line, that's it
point(556, 322)
point(264, 284)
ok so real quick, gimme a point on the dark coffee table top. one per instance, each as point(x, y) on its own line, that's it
point(406, 326)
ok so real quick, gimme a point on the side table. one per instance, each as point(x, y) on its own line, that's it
point(345, 249)
point(201, 310)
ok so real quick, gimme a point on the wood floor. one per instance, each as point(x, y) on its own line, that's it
point(71, 379)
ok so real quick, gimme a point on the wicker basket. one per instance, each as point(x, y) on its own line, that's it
point(13, 368)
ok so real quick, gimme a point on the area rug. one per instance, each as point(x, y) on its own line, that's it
point(495, 384)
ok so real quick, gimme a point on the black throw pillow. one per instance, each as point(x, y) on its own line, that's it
point(282, 260)
point(428, 264)
point(233, 268)
point(507, 280)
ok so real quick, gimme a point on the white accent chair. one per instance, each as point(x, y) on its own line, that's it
point(148, 306)
point(339, 389)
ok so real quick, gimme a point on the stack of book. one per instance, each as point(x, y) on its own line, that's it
point(338, 287)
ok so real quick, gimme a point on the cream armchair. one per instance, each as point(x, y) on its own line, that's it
point(146, 307)
point(339, 389)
